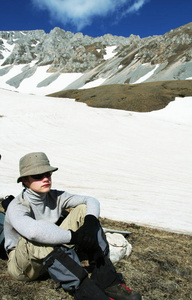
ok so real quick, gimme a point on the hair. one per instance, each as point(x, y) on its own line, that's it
point(23, 184)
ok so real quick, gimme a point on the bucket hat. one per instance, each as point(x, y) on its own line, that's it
point(34, 163)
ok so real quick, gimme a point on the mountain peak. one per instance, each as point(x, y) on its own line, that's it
point(132, 59)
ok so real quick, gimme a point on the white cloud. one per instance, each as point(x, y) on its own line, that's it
point(81, 12)
point(134, 7)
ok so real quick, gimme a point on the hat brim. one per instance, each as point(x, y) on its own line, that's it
point(43, 170)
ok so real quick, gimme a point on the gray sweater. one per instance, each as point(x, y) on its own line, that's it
point(33, 216)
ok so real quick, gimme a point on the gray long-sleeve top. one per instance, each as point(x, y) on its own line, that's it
point(33, 216)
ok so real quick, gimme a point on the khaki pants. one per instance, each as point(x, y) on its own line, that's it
point(25, 262)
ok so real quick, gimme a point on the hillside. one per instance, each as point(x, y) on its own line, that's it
point(159, 267)
point(45, 59)
point(143, 97)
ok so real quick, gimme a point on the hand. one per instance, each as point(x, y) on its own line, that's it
point(86, 236)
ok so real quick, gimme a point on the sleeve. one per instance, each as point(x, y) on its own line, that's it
point(72, 200)
point(36, 230)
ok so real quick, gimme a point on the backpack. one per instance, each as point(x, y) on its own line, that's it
point(2, 249)
point(5, 204)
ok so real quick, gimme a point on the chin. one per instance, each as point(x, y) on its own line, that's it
point(46, 189)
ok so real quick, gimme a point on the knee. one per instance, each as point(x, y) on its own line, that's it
point(82, 209)
point(81, 212)
point(76, 217)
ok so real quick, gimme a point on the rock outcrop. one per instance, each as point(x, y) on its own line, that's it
point(134, 60)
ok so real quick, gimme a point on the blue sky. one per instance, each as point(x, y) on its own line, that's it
point(96, 17)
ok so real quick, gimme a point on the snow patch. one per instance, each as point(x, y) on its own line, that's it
point(110, 52)
point(146, 76)
point(94, 83)
point(139, 165)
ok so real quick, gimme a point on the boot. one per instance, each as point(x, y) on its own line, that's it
point(105, 275)
point(89, 291)
point(112, 283)
point(122, 292)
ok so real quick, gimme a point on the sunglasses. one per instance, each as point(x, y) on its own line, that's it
point(41, 176)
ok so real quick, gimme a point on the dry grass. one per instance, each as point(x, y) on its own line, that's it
point(160, 267)
point(143, 97)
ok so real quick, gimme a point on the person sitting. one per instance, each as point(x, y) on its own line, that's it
point(45, 229)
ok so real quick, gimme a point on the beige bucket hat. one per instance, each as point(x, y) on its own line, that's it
point(34, 163)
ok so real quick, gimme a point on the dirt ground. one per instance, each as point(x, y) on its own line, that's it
point(142, 97)
point(160, 267)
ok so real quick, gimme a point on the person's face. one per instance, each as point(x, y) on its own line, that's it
point(40, 183)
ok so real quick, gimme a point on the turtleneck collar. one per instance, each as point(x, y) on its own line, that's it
point(34, 197)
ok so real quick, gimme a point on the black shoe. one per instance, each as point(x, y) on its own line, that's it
point(88, 290)
point(122, 292)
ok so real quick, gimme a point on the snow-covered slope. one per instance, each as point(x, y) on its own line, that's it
point(139, 165)
point(40, 81)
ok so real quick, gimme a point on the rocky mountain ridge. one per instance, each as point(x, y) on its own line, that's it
point(134, 59)
point(63, 50)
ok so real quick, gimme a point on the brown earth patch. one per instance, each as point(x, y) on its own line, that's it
point(160, 267)
point(143, 97)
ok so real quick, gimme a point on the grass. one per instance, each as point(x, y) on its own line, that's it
point(143, 97)
point(160, 267)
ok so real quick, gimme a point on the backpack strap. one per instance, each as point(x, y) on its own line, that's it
point(3, 254)
point(2, 218)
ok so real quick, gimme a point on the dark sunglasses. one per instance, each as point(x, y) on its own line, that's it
point(41, 176)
